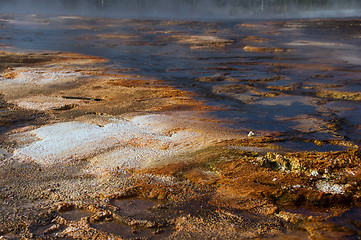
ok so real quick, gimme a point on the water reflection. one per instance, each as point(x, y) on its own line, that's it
point(286, 76)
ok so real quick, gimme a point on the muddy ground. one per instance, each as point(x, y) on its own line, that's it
point(90, 150)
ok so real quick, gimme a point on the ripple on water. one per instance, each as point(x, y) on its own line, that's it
point(350, 220)
point(42, 231)
point(129, 232)
point(75, 215)
point(138, 208)
point(299, 146)
point(10, 236)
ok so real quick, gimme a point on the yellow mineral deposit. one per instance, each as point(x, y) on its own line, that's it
point(203, 42)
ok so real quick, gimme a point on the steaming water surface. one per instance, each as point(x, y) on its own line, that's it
point(186, 9)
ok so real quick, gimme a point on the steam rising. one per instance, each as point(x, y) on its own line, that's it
point(186, 9)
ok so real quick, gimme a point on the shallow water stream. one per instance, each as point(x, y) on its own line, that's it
point(298, 78)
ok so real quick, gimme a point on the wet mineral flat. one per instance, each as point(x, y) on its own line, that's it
point(179, 129)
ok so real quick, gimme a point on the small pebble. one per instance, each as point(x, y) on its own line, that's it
point(251, 134)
